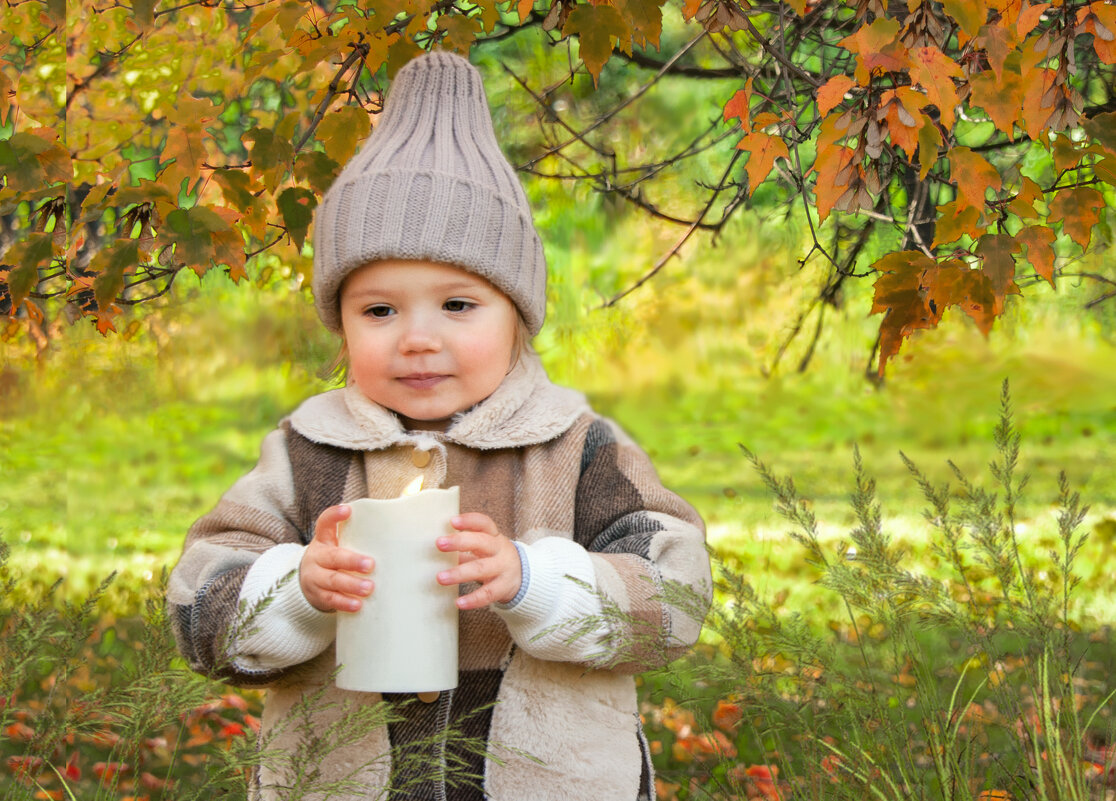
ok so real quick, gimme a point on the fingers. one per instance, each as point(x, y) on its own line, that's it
point(487, 557)
point(326, 573)
point(475, 521)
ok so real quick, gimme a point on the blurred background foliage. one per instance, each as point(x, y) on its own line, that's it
point(112, 446)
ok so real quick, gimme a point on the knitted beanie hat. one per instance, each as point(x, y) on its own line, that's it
point(431, 183)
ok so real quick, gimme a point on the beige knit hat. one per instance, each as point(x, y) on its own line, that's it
point(431, 183)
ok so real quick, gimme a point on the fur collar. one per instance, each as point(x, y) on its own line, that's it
point(526, 409)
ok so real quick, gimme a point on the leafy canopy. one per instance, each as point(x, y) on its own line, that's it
point(967, 140)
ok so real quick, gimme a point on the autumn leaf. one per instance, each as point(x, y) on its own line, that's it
point(901, 109)
point(460, 32)
point(1078, 209)
point(1001, 97)
point(1023, 204)
point(341, 131)
point(999, 43)
point(596, 27)
point(191, 232)
point(955, 220)
point(973, 174)
point(738, 106)
point(934, 71)
point(1102, 130)
point(1099, 19)
point(929, 141)
point(1038, 100)
point(997, 251)
point(228, 249)
point(832, 92)
point(877, 47)
point(270, 153)
point(111, 264)
point(835, 167)
point(297, 207)
point(969, 14)
point(1039, 241)
point(186, 147)
point(763, 149)
point(28, 255)
point(1029, 18)
point(645, 19)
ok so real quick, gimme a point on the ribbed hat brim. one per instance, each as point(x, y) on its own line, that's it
point(409, 214)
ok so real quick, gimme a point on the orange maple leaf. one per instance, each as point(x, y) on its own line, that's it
point(835, 168)
point(739, 105)
point(1099, 19)
point(973, 174)
point(1078, 209)
point(832, 92)
point(1001, 97)
point(1039, 241)
point(763, 149)
point(901, 108)
point(877, 47)
point(934, 71)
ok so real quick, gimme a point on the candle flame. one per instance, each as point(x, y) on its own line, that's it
point(414, 488)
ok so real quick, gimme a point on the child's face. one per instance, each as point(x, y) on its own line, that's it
point(426, 340)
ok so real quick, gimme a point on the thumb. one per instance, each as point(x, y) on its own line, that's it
point(325, 529)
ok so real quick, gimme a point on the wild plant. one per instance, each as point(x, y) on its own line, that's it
point(98, 708)
point(966, 678)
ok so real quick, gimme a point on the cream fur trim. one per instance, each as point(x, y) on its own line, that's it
point(526, 409)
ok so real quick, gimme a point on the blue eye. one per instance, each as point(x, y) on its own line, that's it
point(457, 305)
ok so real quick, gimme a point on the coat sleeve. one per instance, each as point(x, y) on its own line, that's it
point(242, 542)
point(631, 589)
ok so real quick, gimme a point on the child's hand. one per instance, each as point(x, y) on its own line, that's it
point(326, 573)
point(486, 556)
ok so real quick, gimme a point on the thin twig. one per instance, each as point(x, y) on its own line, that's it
point(678, 245)
point(621, 106)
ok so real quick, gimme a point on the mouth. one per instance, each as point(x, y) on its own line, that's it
point(422, 380)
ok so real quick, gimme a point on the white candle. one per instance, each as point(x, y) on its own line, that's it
point(404, 638)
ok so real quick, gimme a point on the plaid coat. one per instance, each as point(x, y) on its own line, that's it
point(558, 711)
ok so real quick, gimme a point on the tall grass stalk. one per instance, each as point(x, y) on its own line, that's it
point(960, 680)
point(100, 708)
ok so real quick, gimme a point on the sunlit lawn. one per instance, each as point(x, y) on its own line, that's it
point(109, 451)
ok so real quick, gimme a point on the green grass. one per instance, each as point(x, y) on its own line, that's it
point(110, 449)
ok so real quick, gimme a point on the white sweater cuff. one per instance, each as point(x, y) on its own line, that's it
point(560, 616)
point(289, 630)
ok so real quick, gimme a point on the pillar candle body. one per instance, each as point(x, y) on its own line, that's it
point(404, 638)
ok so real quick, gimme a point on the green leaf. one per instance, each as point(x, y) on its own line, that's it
point(297, 207)
point(969, 14)
point(596, 27)
point(191, 231)
point(317, 169)
point(237, 187)
point(143, 12)
point(19, 163)
point(26, 257)
point(340, 132)
point(111, 263)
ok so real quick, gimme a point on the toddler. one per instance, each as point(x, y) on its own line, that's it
point(428, 265)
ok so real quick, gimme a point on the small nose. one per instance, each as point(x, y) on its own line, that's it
point(420, 336)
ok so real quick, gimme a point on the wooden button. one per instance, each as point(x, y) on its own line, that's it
point(428, 698)
point(420, 459)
